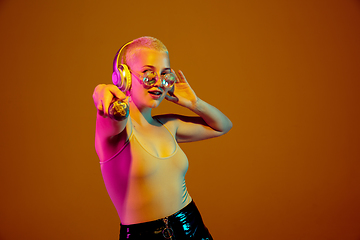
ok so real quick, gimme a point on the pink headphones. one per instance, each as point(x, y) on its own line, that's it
point(121, 76)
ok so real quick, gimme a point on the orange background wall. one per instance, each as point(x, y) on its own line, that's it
point(285, 72)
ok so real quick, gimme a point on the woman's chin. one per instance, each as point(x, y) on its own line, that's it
point(155, 104)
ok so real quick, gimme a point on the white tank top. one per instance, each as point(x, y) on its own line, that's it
point(144, 187)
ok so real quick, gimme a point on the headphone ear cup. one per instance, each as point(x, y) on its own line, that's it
point(123, 78)
point(116, 77)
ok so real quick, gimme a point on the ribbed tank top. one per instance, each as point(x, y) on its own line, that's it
point(144, 187)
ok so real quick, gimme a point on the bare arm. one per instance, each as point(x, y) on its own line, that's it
point(211, 122)
point(107, 130)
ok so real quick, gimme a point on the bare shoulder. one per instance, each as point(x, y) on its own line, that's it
point(177, 119)
point(169, 120)
point(184, 128)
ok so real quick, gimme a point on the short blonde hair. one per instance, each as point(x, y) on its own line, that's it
point(143, 42)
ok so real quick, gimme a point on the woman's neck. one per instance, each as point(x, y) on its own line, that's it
point(140, 115)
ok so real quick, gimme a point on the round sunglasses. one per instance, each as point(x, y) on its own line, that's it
point(149, 78)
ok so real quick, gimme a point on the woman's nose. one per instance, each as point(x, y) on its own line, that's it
point(159, 80)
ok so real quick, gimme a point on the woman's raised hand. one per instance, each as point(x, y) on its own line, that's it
point(103, 96)
point(181, 93)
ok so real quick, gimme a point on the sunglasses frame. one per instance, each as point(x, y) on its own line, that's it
point(144, 78)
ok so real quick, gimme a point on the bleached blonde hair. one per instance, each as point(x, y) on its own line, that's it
point(143, 42)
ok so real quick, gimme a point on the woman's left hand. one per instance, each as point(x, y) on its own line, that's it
point(181, 93)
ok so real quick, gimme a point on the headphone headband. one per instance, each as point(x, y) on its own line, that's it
point(117, 56)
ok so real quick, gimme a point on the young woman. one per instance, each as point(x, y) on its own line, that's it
point(141, 162)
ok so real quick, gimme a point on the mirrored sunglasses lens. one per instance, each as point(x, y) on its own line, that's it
point(164, 83)
point(170, 78)
point(149, 78)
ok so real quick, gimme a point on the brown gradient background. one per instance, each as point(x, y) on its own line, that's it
point(285, 72)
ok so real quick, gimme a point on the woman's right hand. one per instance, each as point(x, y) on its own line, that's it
point(103, 95)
